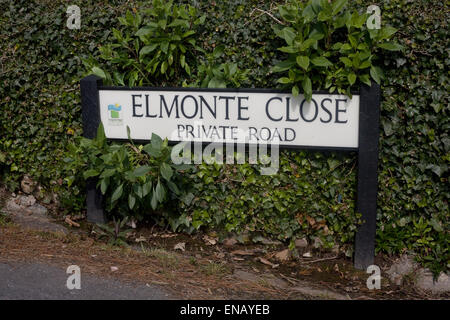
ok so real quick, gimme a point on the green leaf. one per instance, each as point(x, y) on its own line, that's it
point(324, 16)
point(284, 80)
point(365, 64)
point(321, 62)
point(303, 61)
point(166, 171)
point(289, 49)
point(160, 192)
point(164, 67)
point(108, 173)
point(90, 173)
point(337, 6)
point(217, 83)
point(152, 151)
point(295, 91)
point(141, 171)
point(200, 20)
point(147, 49)
point(100, 137)
point(365, 78)
point(104, 185)
point(376, 74)
point(187, 198)
point(283, 66)
point(308, 13)
point(144, 31)
point(99, 72)
point(385, 33)
point(390, 46)
point(156, 142)
point(154, 201)
point(131, 201)
point(179, 22)
point(346, 61)
point(188, 33)
point(307, 88)
point(351, 78)
point(146, 188)
point(138, 190)
point(117, 193)
point(288, 34)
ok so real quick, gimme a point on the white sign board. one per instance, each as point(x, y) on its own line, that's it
point(231, 116)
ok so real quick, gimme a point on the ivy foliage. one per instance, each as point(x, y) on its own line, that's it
point(41, 64)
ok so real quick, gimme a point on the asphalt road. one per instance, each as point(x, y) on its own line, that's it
point(37, 281)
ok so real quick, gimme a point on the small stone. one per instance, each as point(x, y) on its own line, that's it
point(301, 243)
point(55, 199)
point(38, 192)
point(425, 282)
point(317, 242)
point(283, 255)
point(26, 201)
point(229, 242)
point(27, 185)
point(38, 209)
point(269, 242)
point(180, 246)
point(402, 267)
point(335, 249)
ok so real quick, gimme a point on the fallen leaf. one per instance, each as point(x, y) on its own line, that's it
point(311, 220)
point(219, 255)
point(71, 223)
point(229, 242)
point(243, 253)
point(304, 272)
point(267, 262)
point(180, 246)
point(283, 255)
point(141, 239)
point(209, 241)
point(168, 235)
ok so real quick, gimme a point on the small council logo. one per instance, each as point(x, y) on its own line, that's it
point(115, 115)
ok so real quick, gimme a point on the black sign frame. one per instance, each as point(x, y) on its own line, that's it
point(367, 176)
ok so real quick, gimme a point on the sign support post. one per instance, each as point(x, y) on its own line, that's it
point(366, 194)
point(91, 120)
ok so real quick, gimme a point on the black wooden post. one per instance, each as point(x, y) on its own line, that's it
point(366, 203)
point(91, 120)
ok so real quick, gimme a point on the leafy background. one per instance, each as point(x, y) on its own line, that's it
point(313, 195)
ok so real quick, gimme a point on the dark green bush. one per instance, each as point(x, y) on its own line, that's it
point(40, 63)
point(135, 180)
point(329, 46)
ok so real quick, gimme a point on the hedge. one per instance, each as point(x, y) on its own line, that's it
point(313, 194)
